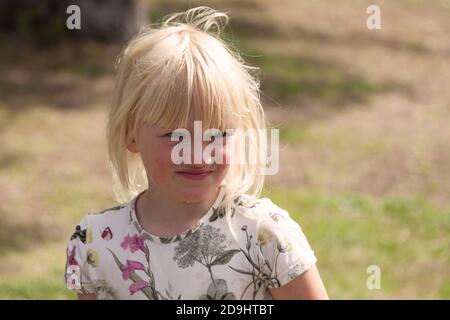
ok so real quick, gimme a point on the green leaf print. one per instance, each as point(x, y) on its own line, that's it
point(260, 277)
point(218, 290)
point(149, 292)
point(103, 291)
point(206, 246)
point(226, 257)
point(217, 214)
point(111, 209)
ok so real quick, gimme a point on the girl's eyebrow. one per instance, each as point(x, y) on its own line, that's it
point(166, 130)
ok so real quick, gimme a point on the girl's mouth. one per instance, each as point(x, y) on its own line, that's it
point(194, 175)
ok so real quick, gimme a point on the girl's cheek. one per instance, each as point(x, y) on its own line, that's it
point(222, 170)
point(157, 159)
point(164, 156)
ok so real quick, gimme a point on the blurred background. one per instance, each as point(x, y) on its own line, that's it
point(363, 118)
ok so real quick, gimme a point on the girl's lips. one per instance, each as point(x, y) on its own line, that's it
point(194, 175)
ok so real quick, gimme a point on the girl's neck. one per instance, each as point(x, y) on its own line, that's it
point(165, 216)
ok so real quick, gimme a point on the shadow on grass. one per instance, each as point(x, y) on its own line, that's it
point(293, 78)
point(71, 75)
point(350, 231)
point(287, 77)
point(18, 236)
point(10, 160)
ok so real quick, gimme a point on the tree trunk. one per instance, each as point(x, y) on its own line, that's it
point(45, 20)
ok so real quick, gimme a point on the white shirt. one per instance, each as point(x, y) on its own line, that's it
point(111, 255)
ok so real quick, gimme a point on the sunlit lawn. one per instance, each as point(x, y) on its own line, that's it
point(367, 181)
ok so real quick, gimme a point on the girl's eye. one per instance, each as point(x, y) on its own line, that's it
point(219, 134)
point(227, 133)
point(174, 135)
point(222, 134)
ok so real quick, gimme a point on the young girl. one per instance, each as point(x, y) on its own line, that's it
point(189, 230)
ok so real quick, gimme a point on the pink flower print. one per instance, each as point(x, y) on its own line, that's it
point(137, 286)
point(276, 216)
point(71, 257)
point(130, 267)
point(135, 243)
point(107, 234)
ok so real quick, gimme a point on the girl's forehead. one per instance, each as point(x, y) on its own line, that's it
point(227, 122)
point(191, 125)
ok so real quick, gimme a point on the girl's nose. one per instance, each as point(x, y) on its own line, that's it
point(202, 156)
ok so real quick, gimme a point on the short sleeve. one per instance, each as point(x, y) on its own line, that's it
point(77, 277)
point(283, 246)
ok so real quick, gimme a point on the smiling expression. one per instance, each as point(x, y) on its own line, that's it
point(186, 182)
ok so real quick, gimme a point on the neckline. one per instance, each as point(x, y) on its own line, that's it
point(177, 237)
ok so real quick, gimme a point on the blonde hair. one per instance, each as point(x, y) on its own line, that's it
point(179, 68)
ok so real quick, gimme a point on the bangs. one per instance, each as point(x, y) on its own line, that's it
point(178, 73)
point(194, 83)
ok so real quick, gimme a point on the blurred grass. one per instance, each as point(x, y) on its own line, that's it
point(406, 237)
point(338, 140)
point(285, 76)
point(37, 274)
point(53, 163)
point(41, 288)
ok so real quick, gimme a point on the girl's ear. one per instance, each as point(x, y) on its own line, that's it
point(133, 147)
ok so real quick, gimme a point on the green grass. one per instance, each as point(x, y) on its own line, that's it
point(286, 75)
point(341, 141)
point(50, 287)
point(295, 75)
point(36, 273)
point(406, 237)
point(52, 163)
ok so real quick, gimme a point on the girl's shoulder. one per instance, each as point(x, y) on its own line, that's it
point(271, 233)
point(262, 210)
point(262, 215)
point(117, 216)
point(118, 213)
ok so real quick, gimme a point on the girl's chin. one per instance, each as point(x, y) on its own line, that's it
point(194, 194)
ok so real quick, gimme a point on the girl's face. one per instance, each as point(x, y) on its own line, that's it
point(185, 182)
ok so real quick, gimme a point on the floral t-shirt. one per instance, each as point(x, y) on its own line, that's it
point(111, 255)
